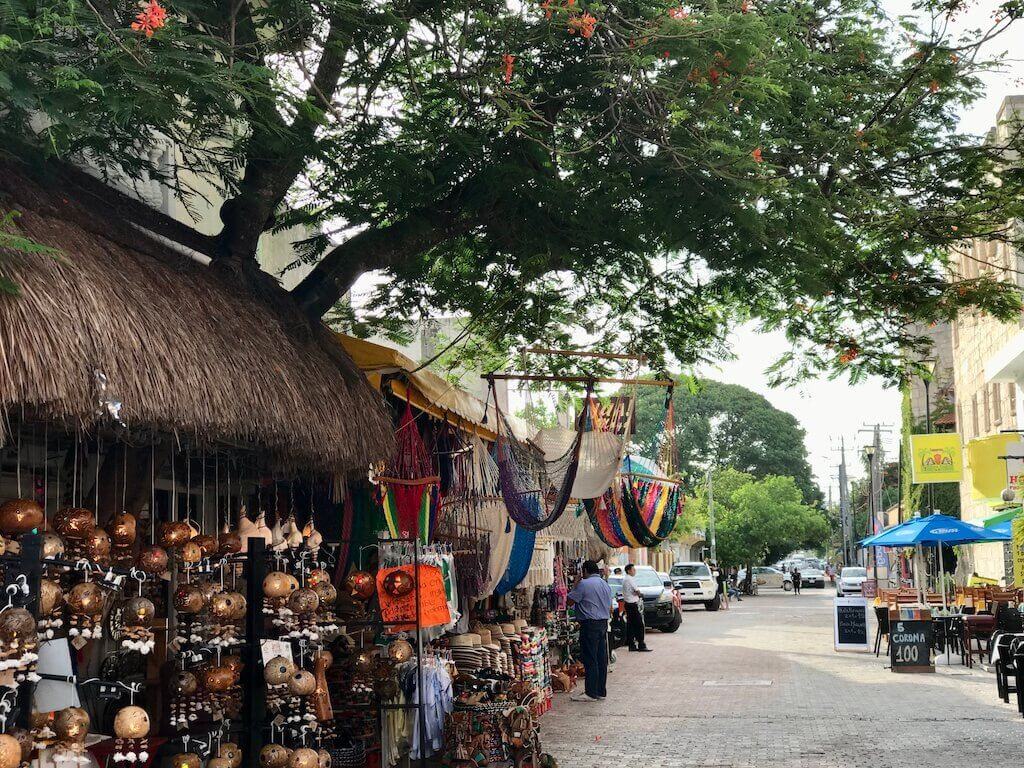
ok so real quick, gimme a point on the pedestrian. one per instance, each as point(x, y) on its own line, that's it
point(796, 580)
point(734, 584)
point(592, 598)
point(634, 600)
point(721, 579)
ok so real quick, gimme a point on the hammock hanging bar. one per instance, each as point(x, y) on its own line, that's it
point(591, 380)
point(582, 353)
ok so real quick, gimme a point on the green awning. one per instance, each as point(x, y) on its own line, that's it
point(1002, 516)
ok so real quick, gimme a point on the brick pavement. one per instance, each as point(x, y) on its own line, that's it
point(822, 709)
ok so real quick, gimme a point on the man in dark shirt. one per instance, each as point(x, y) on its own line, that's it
point(796, 580)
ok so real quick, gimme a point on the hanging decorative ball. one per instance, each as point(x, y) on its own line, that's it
point(222, 606)
point(71, 724)
point(218, 679)
point(218, 762)
point(85, 599)
point(186, 760)
point(327, 592)
point(131, 723)
point(318, 576)
point(324, 757)
point(304, 757)
point(97, 544)
point(123, 529)
point(293, 583)
point(304, 601)
point(400, 651)
point(278, 670)
point(73, 522)
point(231, 752)
point(275, 584)
point(190, 552)
point(302, 683)
point(17, 626)
point(175, 533)
point(273, 756)
point(24, 738)
point(184, 683)
point(360, 584)
point(207, 543)
point(153, 560)
point(50, 596)
point(139, 612)
point(10, 751)
point(188, 598)
point(229, 543)
point(399, 583)
point(53, 545)
point(20, 516)
point(240, 605)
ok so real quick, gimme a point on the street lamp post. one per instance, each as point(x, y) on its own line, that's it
point(869, 451)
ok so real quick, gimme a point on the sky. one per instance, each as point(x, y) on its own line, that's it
point(833, 410)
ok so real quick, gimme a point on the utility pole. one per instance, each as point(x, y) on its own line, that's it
point(876, 461)
point(711, 517)
point(845, 514)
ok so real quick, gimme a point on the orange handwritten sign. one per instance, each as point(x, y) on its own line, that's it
point(433, 601)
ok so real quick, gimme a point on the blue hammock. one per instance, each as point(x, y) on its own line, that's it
point(518, 561)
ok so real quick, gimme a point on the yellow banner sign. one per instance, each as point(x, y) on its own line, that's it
point(988, 471)
point(936, 458)
point(1017, 545)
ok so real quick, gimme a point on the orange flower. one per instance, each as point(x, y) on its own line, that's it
point(933, 86)
point(151, 18)
point(848, 355)
point(756, 154)
point(745, 6)
point(507, 62)
point(714, 75)
point(546, 5)
point(678, 13)
point(584, 24)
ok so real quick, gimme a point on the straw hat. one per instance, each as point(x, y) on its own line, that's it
point(520, 624)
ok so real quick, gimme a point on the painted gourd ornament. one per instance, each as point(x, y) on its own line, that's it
point(184, 683)
point(53, 545)
point(26, 740)
point(153, 560)
point(231, 752)
point(97, 545)
point(400, 651)
point(188, 598)
point(278, 670)
point(86, 603)
point(325, 758)
point(10, 751)
point(275, 585)
point(186, 760)
point(302, 683)
point(399, 583)
point(273, 756)
point(20, 516)
point(73, 522)
point(304, 601)
point(71, 724)
point(175, 533)
point(123, 529)
point(304, 757)
point(360, 584)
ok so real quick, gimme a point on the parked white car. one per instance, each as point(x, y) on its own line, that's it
point(811, 577)
point(851, 581)
point(694, 583)
point(768, 577)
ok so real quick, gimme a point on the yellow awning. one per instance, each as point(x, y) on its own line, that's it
point(430, 392)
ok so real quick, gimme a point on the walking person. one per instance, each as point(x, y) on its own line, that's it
point(634, 601)
point(592, 598)
point(796, 580)
point(723, 585)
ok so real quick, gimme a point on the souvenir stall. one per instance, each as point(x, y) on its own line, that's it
point(164, 442)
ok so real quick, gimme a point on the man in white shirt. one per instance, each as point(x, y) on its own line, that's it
point(634, 601)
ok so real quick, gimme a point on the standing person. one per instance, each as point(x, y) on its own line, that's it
point(796, 580)
point(593, 599)
point(634, 601)
point(722, 580)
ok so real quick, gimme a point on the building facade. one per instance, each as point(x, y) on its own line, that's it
point(988, 367)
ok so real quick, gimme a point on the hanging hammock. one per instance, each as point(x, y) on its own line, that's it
point(518, 562)
point(410, 490)
point(640, 510)
point(536, 490)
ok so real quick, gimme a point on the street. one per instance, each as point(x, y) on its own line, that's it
point(760, 685)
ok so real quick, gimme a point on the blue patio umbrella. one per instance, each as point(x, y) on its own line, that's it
point(935, 529)
point(1002, 528)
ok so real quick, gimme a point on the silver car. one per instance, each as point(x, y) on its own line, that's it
point(812, 577)
point(851, 581)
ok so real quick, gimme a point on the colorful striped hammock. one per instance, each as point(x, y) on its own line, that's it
point(637, 512)
point(410, 490)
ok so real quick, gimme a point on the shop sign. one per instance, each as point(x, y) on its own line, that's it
point(850, 623)
point(936, 458)
point(398, 608)
point(869, 589)
point(1017, 543)
point(910, 644)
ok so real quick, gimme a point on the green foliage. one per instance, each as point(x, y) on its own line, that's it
point(758, 517)
point(652, 183)
point(12, 242)
point(726, 425)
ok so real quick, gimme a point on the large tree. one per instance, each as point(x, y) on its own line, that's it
point(760, 519)
point(646, 170)
point(726, 425)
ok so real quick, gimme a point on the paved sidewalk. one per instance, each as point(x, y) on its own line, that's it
point(760, 686)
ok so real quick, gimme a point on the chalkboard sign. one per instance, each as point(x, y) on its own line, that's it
point(850, 624)
point(910, 644)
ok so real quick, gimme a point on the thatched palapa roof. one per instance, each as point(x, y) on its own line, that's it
point(185, 347)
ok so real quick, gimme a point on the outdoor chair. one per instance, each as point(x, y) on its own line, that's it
point(1005, 666)
point(882, 619)
point(977, 636)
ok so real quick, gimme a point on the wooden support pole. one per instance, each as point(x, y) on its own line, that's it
point(581, 353)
